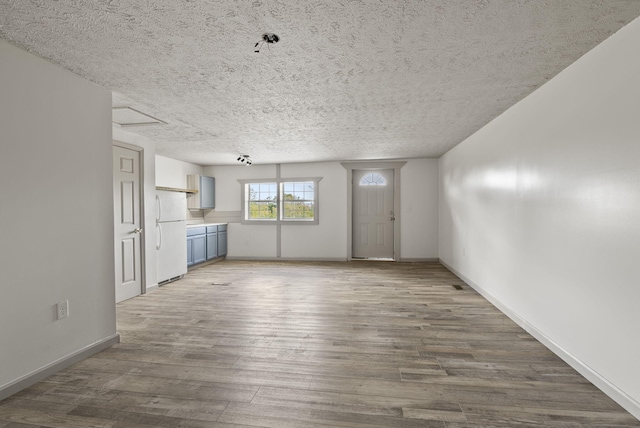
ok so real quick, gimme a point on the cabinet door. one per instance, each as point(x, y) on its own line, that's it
point(207, 192)
point(189, 251)
point(199, 248)
point(212, 246)
point(222, 243)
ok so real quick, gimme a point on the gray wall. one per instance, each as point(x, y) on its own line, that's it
point(56, 215)
point(540, 211)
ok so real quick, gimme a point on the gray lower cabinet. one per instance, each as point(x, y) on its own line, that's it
point(206, 243)
point(222, 240)
point(212, 242)
point(196, 245)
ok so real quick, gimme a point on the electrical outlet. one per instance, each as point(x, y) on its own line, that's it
point(63, 309)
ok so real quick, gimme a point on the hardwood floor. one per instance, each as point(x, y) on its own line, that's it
point(278, 344)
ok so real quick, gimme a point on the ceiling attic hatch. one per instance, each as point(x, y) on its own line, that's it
point(127, 116)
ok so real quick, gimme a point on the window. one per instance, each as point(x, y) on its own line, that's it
point(373, 179)
point(280, 201)
point(263, 201)
point(298, 200)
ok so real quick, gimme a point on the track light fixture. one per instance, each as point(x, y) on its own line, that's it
point(245, 159)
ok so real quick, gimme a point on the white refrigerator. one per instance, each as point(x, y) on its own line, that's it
point(171, 235)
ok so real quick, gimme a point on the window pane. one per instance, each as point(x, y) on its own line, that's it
point(262, 191)
point(254, 190)
point(373, 179)
point(263, 210)
point(298, 203)
point(296, 210)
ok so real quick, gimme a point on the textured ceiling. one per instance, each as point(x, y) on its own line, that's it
point(349, 79)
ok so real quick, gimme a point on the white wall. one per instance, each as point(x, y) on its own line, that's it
point(173, 173)
point(327, 240)
point(419, 202)
point(56, 215)
point(243, 241)
point(539, 210)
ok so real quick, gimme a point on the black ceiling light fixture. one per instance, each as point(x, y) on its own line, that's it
point(268, 38)
point(245, 159)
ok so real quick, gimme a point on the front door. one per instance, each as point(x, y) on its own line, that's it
point(373, 214)
point(128, 228)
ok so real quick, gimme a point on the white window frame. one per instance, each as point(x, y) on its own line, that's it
point(244, 200)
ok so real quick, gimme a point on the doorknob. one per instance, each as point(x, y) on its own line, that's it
point(393, 216)
point(137, 230)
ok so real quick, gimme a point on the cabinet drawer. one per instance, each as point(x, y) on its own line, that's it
point(211, 229)
point(192, 231)
point(222, 228)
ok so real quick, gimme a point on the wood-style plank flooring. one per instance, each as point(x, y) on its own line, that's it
point(293, 345)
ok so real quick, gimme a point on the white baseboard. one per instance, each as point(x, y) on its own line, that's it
point(322, 259)
point(46, 371)
point(150, 288)
point(287, 259)
point(615, 393)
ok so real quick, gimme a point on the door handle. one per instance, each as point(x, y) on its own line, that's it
point(393, 216)
point(137, 230)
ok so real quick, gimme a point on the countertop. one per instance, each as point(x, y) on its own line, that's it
point(204, 224)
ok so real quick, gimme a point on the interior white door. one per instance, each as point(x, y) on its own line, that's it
point(128, 229)
point(373, 215)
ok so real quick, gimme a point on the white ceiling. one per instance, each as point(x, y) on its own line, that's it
point(349, 79)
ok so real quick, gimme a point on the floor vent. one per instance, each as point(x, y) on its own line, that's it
point(456, 286)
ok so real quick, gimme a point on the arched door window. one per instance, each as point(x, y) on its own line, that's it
point(373, 179)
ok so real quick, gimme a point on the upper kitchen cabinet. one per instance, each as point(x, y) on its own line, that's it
point(205, 199)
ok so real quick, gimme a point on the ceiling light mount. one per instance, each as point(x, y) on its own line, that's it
point(245, 159)
point(269, 39)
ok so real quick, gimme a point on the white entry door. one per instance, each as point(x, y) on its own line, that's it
point(373, 215)
point(128, 229)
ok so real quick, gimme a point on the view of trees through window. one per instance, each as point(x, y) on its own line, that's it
point(263, 199)
point(297, 200)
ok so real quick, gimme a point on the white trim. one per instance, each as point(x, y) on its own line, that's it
point(54, 367)
point(151, 288)
point(288, 259)
point(279, 225)
point(396, 166)
point(615, 393)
